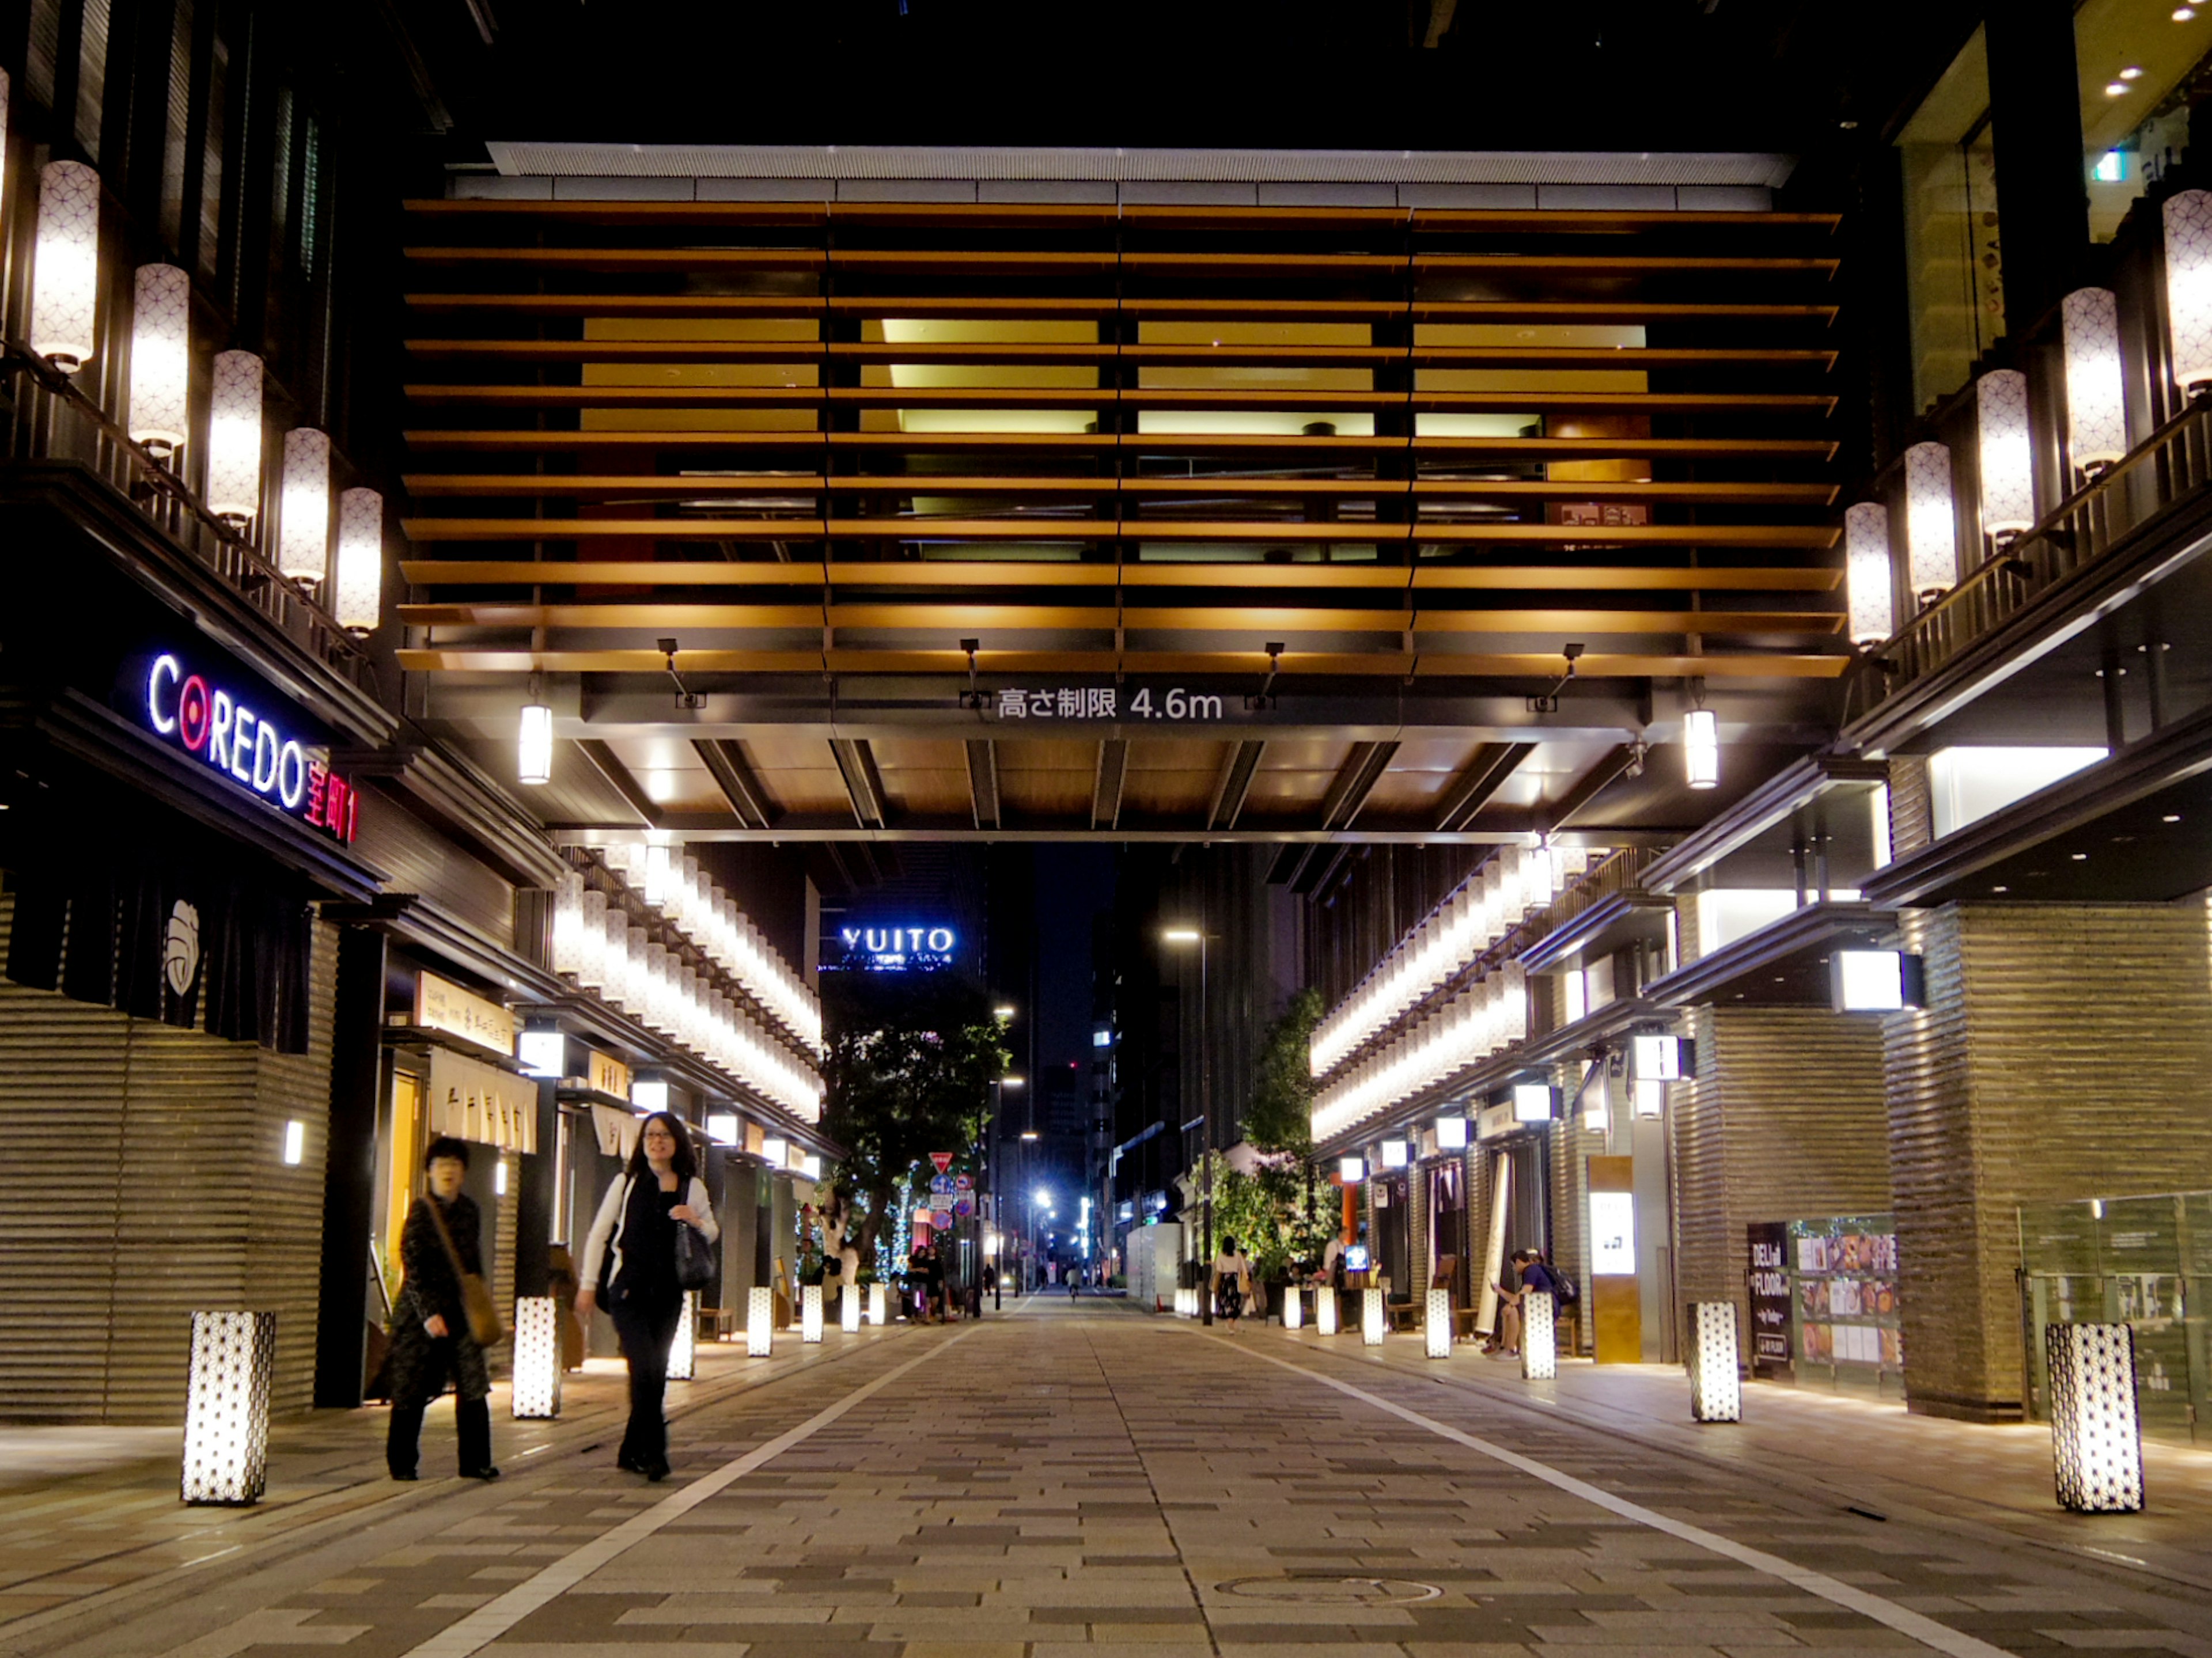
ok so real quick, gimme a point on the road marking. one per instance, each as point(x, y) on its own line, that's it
point(1920, 1628)
point(496, 1617)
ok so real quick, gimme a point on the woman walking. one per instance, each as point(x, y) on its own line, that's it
point(430, 1337)
point(629, 1260)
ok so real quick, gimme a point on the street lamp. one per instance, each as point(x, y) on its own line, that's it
point(1180, 937)
point(999, 1085)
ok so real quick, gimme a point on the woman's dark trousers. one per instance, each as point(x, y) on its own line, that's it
point(425, 1380)
point(647, 1331)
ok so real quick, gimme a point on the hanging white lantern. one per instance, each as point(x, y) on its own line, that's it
point(234, 438)
point(160, 359)
point(1867, 571)
point(65, 271)
point(360, 559)
point(2096, 409)
point(592, 957)
point(534, 763)
point(303, 526)
point(657, 875)
point(1701, 749)
point(568, 924)
point(2007, 466)
point(1931, 527)
point(2188, 285)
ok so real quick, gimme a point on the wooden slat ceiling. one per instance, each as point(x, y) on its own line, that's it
point(1425, 448)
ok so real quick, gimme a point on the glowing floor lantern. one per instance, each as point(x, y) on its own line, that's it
point(878, 1305)
point(848, 1308)
point(1540, 1340)
point(1436, 1324)
point(1294, 1308)
point(1716, 1384)
point(1370, 1322)
point(1325, 1311)
point(810, 1314)
point(536, 1389)
point(2096, 1443)
point(226, 1407)
point(683, 1352)
point(760, 1323)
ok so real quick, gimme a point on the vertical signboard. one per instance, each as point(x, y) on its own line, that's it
point(1766, 1279)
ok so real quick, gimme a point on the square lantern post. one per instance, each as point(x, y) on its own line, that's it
point(1716, 1379)
point(760, 1322)
point(1294, 1308)
point(1325, 1310)
point(810, 1317)
point(1371, 1319)
point(1436, 1324)
point(536, 1389)
point(683, 1352)
point(226, 1408)
point(878, 1304)
point(1540, 1341)
point(2096, 1441)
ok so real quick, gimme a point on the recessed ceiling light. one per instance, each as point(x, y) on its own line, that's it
point(2132, 72)
point(2184, 13)
point(2081, 857)
point(2116, 88)
point(2000, 889)
point(2171, 818)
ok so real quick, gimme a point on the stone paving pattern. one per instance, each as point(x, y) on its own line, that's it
point(1094, 1480)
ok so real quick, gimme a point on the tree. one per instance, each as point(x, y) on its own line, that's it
point(1273, 1213)
point(1280, 1115)
point(911, 1058)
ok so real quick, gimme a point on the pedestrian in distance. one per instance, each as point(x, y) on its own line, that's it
point(1230, 1281)
point(430, 1340)
point(629, 1262)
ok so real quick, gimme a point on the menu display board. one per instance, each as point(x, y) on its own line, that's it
point(1844, 1273)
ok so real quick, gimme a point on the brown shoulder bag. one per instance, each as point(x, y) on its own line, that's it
point(485, 1322)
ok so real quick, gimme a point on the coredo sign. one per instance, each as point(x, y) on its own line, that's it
point(249, 748)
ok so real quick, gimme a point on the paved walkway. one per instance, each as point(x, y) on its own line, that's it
point(1088, 1479)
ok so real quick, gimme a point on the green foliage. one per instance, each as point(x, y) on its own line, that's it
point(1278, 1117)
point(910, 1062)
point(1272, 1214)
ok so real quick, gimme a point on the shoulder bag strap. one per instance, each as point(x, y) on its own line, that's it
point(438, 1219)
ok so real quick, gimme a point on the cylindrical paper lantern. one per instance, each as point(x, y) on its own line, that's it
point(2188, 284)
point(303, 528)
point(2096, 409)
point(360, 559)
point(1932, 526)
point(2007, 466)
point(65, 269)
point(1869, 573)
point(160, 358)
point(234, 438)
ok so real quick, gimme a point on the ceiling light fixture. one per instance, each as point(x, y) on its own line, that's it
point(2116, 89)
point(2132, 72)
point(534, 754)
point(1701, 742)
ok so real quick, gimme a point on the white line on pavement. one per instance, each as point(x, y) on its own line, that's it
point(496, 1617)
point(1920, 1628)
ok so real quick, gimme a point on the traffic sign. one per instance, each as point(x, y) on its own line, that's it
point(964, 1208)
point(941, 1183)
point(943, 1160)
point(964, 1183)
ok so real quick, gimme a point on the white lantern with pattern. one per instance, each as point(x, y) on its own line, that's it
point(360, 559)
point(234, 438)
point(160, 359)
point(1931, 523)
point(2188, 285)
point(65, 269)
point(2096, 406)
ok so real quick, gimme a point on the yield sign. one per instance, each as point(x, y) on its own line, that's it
point(942, 1159)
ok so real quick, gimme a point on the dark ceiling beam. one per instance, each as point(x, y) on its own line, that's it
point(1106, 783)
point(1485, 776)
point(1321, 868)
point(1356, 779)
point(856, 764)
point(1595, 782)
point(620, 779)
point(983, 781)
point(740, 785)
point(1234, 783)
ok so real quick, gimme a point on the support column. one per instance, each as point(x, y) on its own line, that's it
point(2065, 1053)
point(350, 1169)
point(2043, 191)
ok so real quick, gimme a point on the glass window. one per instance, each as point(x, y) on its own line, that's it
point(2141, 63)
point(1955, 271)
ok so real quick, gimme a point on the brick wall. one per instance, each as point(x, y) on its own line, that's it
point(2065, 1052)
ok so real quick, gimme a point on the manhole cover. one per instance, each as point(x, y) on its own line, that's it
point(1333, 1591)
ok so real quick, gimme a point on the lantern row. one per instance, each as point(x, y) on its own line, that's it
point(64, 325)
point(594, 943)
point(677, 887)
point(1485, 1019)
point(2096, 432)
point(1486, 907)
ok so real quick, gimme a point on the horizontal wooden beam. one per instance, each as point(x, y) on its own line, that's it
point(1289, 397)
point(1224, 307)
point(1105, 618)
point(975, 573)
point(953, 663)
point(598, 485)
point(1138, 444)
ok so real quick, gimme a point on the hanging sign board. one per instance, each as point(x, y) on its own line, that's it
point(608, 1075)
point(480, 1103)
point(441, 1004)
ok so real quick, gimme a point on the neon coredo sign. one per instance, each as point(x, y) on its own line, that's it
point(248, 747)
point(895, 947)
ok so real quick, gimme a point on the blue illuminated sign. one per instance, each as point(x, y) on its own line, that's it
point(894, 948)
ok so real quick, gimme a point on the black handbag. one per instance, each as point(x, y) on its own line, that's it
point(695, 1263)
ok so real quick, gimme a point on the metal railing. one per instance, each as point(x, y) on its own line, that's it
point(56, 422)
point(2114, 509)
point(1621, 872)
